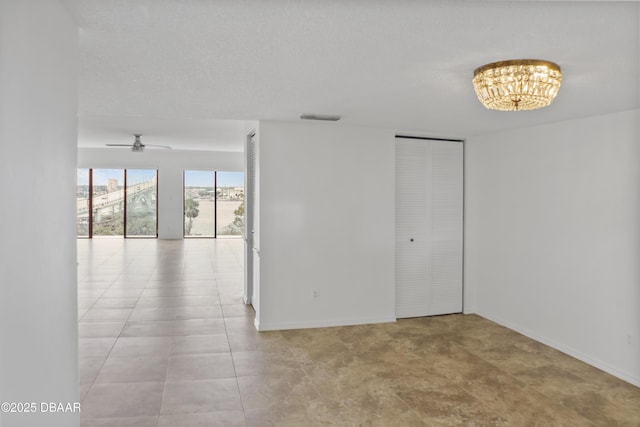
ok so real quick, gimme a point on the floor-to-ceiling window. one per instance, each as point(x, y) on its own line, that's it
point(229, 203)
point(107, 202)
point(117, 202)
point(213, 203)
point(83, 205)
point(199, 204)
point(142, 218)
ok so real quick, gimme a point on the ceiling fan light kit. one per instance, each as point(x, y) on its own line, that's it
point(138, 146)
point(515, 85)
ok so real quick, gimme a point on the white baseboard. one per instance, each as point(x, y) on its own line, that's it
point(603, 366)
point(278, 326)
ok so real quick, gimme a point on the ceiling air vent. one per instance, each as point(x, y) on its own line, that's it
point(320, 117)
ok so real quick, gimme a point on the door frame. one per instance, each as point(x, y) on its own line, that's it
point(249, 215)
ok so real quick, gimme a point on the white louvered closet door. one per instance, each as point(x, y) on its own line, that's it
point(429, 198)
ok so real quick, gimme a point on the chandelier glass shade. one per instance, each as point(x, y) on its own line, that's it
point(521, 84)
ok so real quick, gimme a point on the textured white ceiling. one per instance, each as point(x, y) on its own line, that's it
point(183, 133)
point(171, 65)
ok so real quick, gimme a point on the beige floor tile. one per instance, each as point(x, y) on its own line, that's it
point(435, 371)
point(95, 347)
point(163, 280)
point(120, 422)
point(123, 400)
point(83, 390)
point(188, 397)
point(199, 327)
point(99, 329)
point(200, 367)
point(143, 314)
point(90, 292)
point(119, 292)
point(199, 312)
point(198, 301)
point(161, 292)
point(239, 323)
point(264, 362)
point(148, 328)
point(106, 314)
point(133, 369)
point(209, 419)
point(253, 341)
point(115, 303)
point(88, 368)
point(239, 310)
point(231, 299)
point(197, 344)
point(192, 289)
point(158, 302)
point(209, 283)
point(141, 347)
point(276, 391)
point(86, 302)
point(128, 284)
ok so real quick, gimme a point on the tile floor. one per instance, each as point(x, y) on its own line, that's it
point(166, 341)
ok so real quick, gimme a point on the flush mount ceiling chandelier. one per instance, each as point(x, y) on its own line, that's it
point(520, 84)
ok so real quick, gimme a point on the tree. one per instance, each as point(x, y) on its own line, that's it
point(237, 226)
point(238, 221)
point(109, 225)
point(191, 211)
point(141, 224)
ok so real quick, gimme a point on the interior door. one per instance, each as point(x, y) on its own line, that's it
point(411, 228)
point(445, 227)
point(428, 253)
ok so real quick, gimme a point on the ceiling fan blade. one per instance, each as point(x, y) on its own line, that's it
point(162, 147)
point(118, 145)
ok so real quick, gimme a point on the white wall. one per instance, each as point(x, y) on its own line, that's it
point(326, 225)
point(38, 314)
point(170, 166)
point(553, 237)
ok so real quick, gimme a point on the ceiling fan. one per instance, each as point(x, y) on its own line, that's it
point(138, 146)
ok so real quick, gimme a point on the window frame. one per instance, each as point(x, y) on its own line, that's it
point(125, 212)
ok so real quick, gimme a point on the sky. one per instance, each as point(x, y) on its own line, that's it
point(191, 178)
point(205, 179)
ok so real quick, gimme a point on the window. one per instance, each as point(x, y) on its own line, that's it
point(199, 203)
point(108, 202)
point(83, 203)
point(117, 202)
point(229, 203)
point(141, 219)
point(213, 203)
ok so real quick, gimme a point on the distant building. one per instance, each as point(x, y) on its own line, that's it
point(230, 193)
point(112, 185)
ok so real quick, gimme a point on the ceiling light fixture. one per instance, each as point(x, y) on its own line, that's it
point(520, 84)
point(138, 146)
